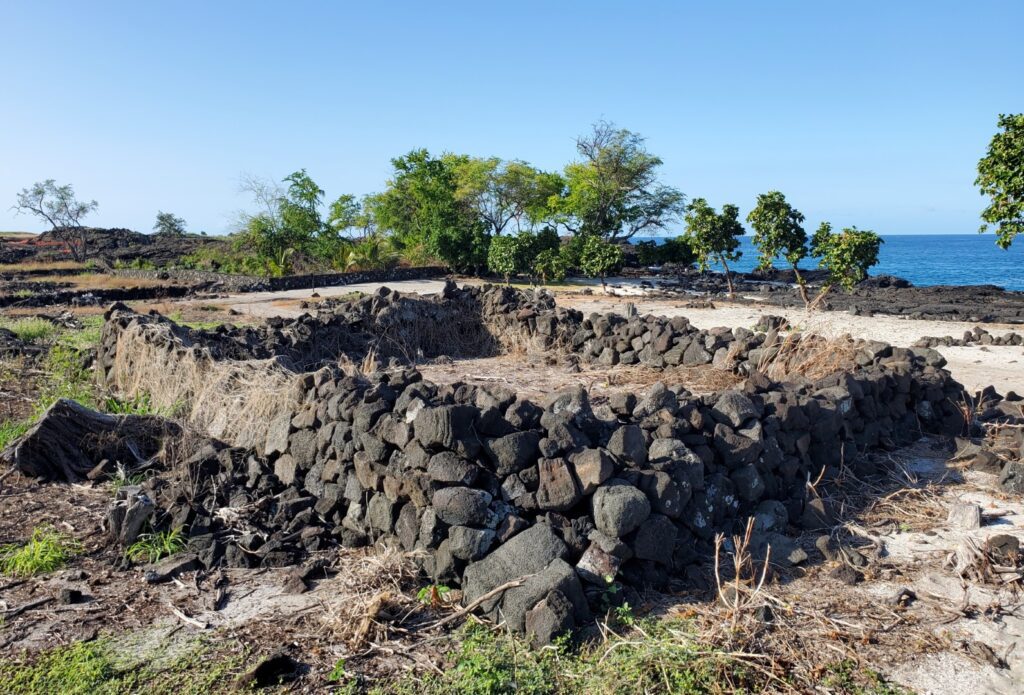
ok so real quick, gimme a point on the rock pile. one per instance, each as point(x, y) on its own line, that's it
point(977, 336)
point(547, 502)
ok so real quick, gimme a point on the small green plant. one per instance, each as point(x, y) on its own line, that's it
point(141, 404)
point(624, 615)
point(848, 678)
point(46, 551)
point(433, 594)
point(155, 546)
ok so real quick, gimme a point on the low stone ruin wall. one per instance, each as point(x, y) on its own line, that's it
point(977, 336)
point(569, 494)
point(230, 282)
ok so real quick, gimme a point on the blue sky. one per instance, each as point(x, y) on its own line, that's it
point(868, 113)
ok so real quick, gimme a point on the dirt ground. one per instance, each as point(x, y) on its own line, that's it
point(537, 377)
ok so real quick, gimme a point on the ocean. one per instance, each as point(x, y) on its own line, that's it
point(931, 259)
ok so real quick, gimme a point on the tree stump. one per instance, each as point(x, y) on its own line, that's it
point(70, 440)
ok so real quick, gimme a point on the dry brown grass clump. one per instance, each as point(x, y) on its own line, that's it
point(229, 400)
point(810, 356)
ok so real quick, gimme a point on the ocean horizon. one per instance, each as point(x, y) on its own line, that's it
point(926, 259)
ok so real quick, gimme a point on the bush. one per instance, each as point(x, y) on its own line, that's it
point(598, 258)
point(671, 250)
point(550, 266)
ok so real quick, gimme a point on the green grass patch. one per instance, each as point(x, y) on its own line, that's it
point(155, 546)
point(30, 330)
point(47, 550)
point(11, 430)
point(105, 667)
point(655, 656)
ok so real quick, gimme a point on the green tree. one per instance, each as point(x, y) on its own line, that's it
point(421, 208)
point(1001, 178)
point(714, 236)
point(169, 224)
point(550, 266)
point(778, 231)
point(846, 256)
point(599, 257)
point(614, 191)
point(501, 256)
point(503, 193)
point(58, 207)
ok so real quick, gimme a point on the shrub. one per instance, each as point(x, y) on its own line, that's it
point(600, 257)
point(550, 266)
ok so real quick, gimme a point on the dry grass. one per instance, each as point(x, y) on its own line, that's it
point(40, 267)
point(377, 598)
point(810, 356)
point(230, 400)
point(100, 281)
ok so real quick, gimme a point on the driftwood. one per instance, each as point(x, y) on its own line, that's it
point(70, 440)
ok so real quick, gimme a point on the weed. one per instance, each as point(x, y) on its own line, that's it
point(141, 404)
point(433, 595)
point(155, 546)
point(46, 551)
point(846, 677)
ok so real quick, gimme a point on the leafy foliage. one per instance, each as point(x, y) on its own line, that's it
point(550, 266)
point(598, 258)
point(58, 207)
point(778, 230)
point(501, 193)
point(291, 226)
point(1001, 178)
point(169, 224)
point(108, 667)
point(846, 256)
point(47, 550)
point(421, 207)
point(614, 191)
point(671, 250)
point(714, 236)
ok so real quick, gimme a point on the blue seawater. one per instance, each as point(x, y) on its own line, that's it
point(930, 259)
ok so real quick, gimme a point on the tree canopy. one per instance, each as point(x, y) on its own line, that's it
point(778, 231)
point(504, 193)
point(1001, 178)
point(714, 236)
point(169, 224)
point(421, 207)
point(846, 256)
point(614, 190)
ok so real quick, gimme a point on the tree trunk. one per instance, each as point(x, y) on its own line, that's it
point(70, 440)
point(802, 286)
point(821, 296)
point(728, 277)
